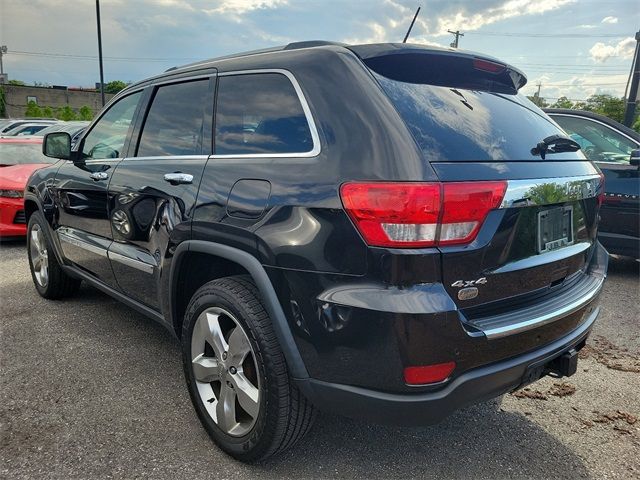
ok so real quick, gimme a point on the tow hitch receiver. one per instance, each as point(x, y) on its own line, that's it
point(565, 365)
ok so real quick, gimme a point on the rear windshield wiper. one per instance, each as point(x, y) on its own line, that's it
point(555, 144)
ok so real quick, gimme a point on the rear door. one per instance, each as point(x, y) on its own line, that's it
point(80, 189)
point(153, 191)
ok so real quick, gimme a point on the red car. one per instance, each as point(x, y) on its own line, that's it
point(19, 158)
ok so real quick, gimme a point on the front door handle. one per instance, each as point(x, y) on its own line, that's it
point(99, 176)
point(178, 178)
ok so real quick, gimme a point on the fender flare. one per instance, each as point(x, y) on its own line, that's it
point(48, 231)
point(262, 281)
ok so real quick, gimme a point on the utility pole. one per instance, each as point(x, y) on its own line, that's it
point(100, 51)
point(457, 33)
point(537, 95)
point(3, 50)
point(411, 26)
point(632, 95)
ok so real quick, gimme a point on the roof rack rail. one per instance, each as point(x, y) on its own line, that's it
point(312, 43)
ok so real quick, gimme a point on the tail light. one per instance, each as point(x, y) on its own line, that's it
point(408, 214)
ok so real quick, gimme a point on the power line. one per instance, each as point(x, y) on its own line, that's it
point(550, 35)
point(93, 57)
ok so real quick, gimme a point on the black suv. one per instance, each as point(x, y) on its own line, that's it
point(385, 231)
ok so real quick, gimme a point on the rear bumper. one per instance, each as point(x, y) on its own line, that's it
point(468, 388)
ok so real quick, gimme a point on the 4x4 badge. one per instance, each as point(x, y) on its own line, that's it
point(469, 283)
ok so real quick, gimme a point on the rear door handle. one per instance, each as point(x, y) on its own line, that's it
point(178, 178)
point(99, 176)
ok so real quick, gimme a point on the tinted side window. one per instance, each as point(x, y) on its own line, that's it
point(107, 137)
point(260, 113)
point(598, 142)
point(174, 123)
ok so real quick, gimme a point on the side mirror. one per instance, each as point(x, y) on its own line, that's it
point(634, 159)
point(57, 145)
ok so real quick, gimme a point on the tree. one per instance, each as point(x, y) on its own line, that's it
point(539, 101)
point(636, 125)
point(33, 110)
point(47, 112)
point(86, 113)
point(18, 83)
point(114, 86)
point(562, 102)
point(606, 105)
point(66, 113)
point(3, 103)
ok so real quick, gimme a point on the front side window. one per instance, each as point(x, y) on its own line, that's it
point(260, 114)
point(175, 120)
point(598, 142)
point(108, 136)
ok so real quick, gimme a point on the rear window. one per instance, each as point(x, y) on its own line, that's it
point(457, 124)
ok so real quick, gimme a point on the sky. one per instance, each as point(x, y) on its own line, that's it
point(572, 48)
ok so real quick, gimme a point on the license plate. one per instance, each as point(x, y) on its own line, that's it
point(555, 228)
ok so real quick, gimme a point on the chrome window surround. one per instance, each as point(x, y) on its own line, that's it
point(315, 151)
point(521, 193)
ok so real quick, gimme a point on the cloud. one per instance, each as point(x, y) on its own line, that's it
point(601, 52)
point(587, 26)
point(238, 7)
point(510, 9)
point(610, 20)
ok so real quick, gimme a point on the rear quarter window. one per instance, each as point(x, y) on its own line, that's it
point(259, 114)
point(456, 124)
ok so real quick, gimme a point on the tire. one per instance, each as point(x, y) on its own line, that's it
point(48, 277)
point(278, 416)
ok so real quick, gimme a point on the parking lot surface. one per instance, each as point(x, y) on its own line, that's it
point(91, 388)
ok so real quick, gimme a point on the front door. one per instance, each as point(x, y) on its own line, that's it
point(153, 191)
point(80, 190)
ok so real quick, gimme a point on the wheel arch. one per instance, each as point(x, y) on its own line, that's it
point(234, 262)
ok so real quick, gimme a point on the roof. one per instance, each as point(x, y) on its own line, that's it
point(364, 51)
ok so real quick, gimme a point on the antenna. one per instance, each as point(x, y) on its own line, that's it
point(411, 26)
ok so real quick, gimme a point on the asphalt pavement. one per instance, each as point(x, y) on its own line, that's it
point(91, 389)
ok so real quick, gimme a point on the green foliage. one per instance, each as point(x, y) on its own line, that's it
point(66, 113)
point(18, 83)
point(636, 124)
point(607, 105)
point(562, 102)
point(539, 101)
point(47, 112)
point(115, 86)
point(85, 113)
point(33, 110)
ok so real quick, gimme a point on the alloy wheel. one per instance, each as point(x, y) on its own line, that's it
point(39, 256)
point(226, 372)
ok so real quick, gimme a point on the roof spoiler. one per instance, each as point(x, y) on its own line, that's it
point(441, 67)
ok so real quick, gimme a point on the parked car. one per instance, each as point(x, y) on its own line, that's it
point(74, 129)
point(388, 231)
point(611, 145)
point(25, 129)
point(19, 157)
point(9, 124)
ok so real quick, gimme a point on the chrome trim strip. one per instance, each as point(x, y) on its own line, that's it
point(548, 191)
point(314, 152)
point(536, 322)
point(549, 257)
point(76, 242)
point(131, 262)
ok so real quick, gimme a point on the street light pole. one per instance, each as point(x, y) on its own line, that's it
point(632, 94)
point(3, 50)
point(100, 51)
